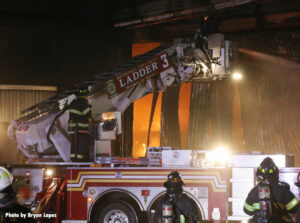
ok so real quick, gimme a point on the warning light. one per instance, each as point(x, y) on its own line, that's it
point(49, 172)
point(145, 193)
point(237, 76)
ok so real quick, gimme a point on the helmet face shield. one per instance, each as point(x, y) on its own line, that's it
point(174, 183)
point(6, 178)
point(267, 170)
point(82, 91)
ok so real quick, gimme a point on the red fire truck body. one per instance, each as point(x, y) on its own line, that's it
point(87, 187)
point(90, 193)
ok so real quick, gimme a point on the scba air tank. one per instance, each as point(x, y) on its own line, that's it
point(264, 194)
point(167, 212)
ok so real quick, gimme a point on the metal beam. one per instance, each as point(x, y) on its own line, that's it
point(165, 17)
point(28, 87)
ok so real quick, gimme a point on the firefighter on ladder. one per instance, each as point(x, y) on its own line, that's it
point(271, 201)
point(78, 126)
point(10, 209)
point(176, 207)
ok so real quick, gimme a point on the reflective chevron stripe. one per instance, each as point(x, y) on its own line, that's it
point(292, 204)
point(248, 207)
point(74, 111)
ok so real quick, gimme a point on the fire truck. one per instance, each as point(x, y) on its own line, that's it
point(126, 189)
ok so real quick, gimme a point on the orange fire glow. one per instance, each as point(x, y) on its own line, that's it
point(142, 109)
point(141, 114)
point(184, 112)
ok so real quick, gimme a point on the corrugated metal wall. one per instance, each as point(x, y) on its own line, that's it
point(270, 106)
point(128, 132)
point(170, 132)
point(14, 99)
point(210, 118)
point(200, 110)
point(221, 112)
point(210, 114)
point(12, 102)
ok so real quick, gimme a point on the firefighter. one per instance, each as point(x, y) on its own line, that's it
point(271, 201)
point(175, 206)
point(78, 126)
point(10, 209)
point(298, 185)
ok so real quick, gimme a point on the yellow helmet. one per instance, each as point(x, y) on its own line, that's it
point(82, 91)
point(6, 178)
point(267, 170)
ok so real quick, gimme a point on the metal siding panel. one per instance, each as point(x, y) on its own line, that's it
point(200, 111)
point(210, 114)
point(128, 132)
point(284, 137)
point(170, 132)
point(12, 105)
point(14, 101)
point(2, 106)
point(222, 105)
point(270, 108)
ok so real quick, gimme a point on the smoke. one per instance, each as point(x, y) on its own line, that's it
point(269, 58)
point(270, 98)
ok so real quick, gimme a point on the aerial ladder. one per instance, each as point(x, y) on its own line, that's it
point(41, 131)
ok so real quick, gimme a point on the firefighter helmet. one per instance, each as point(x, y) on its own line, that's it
point(174, 183)
point(298, 180)
point(82, 91)
point(6, 178)
point(267, 170)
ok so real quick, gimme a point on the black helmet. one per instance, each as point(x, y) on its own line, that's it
point(267, 170)
point(174, 183)
point(298, 180)
point(82, 91)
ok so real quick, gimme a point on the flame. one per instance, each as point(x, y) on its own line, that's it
point(142, 109)
point(184, 112)
point(141, 114)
